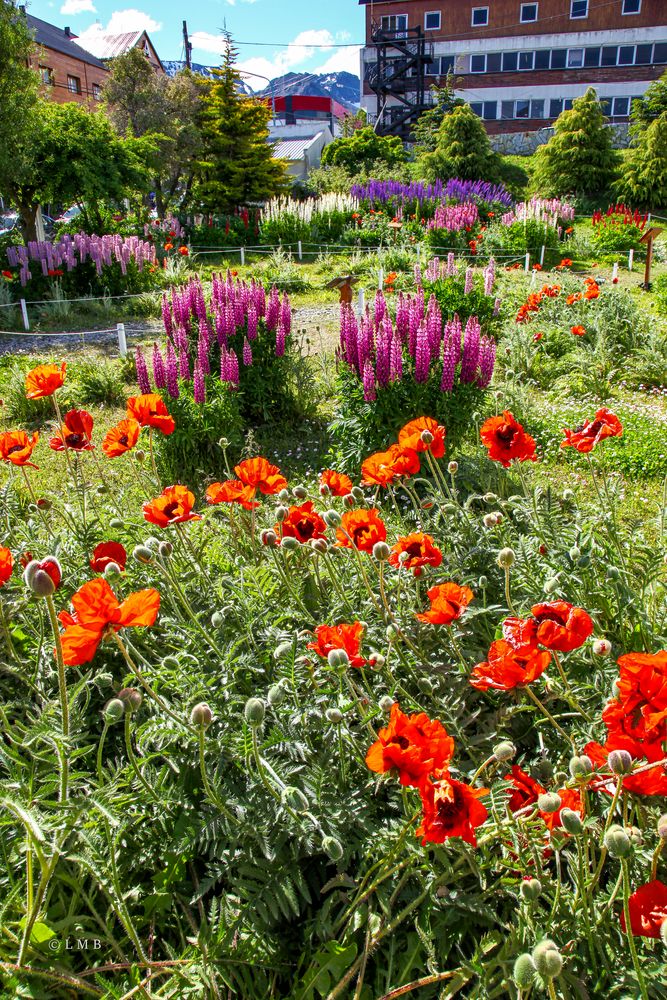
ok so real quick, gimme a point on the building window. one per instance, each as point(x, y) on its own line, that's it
point(528, 12)
point(578, 8)
point(478, 64)
point(537, 109)
point(526, 60)
point(74, 84)
point(394, 23)
point(575, 58)
point(490, 111)
point(626, 55)
point(432, 21)
point(46, 76)
point(97, 92)
point(621, 107)
point(592, 57)
point(555, 107)
point(660, 52)
point(631, 6)
point(494, 62)
point(558, 58)
point(510, 61)
point(567, 105)
point(507, 109)
point(477, 108)
point(542, 59)
point(446, 65)
point(522, 109)
point(609, 55)
point(643, 55)
point(480, 17)
point(605, 105)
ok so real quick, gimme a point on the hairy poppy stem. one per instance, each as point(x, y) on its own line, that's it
point(569, 694)
point(142, 680)
point(61, 431)
point(628, 929)
point(545, 711)
point(100, 749)
point(7, 635)
point(133, 760)
point(62, 686)
point(210, 794)
point(33, 497)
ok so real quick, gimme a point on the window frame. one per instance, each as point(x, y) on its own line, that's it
point(608, 65)
point(529, 20)
point(538, 100)
point(388, 17)
point(503, 116)
point(578, 17)
point(491, 118)
point(525, 69)
point(618, 55)
point(452, 68)
point(629, 13)
point(512, 69)
point(472, 17)
point(433, 13)
point(618, 114)
point(578, 48)
point(522, 100)
point(477, 104)
point(76, 80)
point(97, 91)
point(478, 55)
point(49, 81)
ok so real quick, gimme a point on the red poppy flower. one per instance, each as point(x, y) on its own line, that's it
point(505, 440)
point(6, 565)
point(561, 626)
point(50, 566)
point(16, 447)
point(337, 483)
point(173, 506)
point(520, 632)
point(410, 436)
point(384, 467)
point(168, 247)
point(75, 434)
point(121, 438)
point(526, 790)
point(641, 709)
point(448, 602)
point(451, 809)
point(302, 523)
point(648, 909)
point(261, 475)
point(586, 437)
point(578, 331)
point(537, 267)
point(507, 667)
point(347, 637)
point(232, 491)
point(149, 410)
point(566, 262)
point(44, 380)
point(96, 611)
point(8, 275)
point(360, 529)
point(419, 549)
point(184, 252)
point(106, 553)
point(571, 299)
point(570, 798)
point(592, 292)
point(650, 782)
point(537, 337)
point(413, 745)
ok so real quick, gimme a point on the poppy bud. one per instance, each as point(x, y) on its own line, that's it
point(281, 514)
point(549, 802)
point(254, 712)
point(447, 508)
point(426, 437)
point(41, 584)
point(268, 537)
point(662, 827)
point(381, 551)
point(571, 822)
point(357, 493)
point(425, 685)
point(294, 798)
point(350, 501)
point(483, 582)
point(530, 889)
point(453, 468)
point(332, 518)
point(282, 650)
point(602, 647)
point(620, 762)
point(116, 522)
point(544, 771)
point(386, 702)
point(551, 586)
point(201, 715)
point(131, 699)
point(112, 570)
point(165, 549)
point(319, 545)
point(636, 836)
point(171, 663)
point(139, 455)
point(101, 490)
point(334, 715)
point(324, 490)
point(504, 751)
point(223, 443)
point(333, 848)
point(283, 496)
point(276, 694)
point(617, 842)
point(489, 520)
point(377, 661)
point(547, 959)
point(114, 710)
point(142, 554)
point(392, 633)
point(43, 576)
point(574, 553)
point(506, 558)
point(44, 504)
point(524, 971)
point(338, 658)
point(290, 544)
point(613, 573)
point(581, 767)
point(300, 492)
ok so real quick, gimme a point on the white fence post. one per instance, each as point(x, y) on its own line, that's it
point(614, 272)
point(300, 250)
point(381, 279)
point(122, 342)
point(542, 256)
point(526, 265)
point(24, 313)
point(631, 259)
point(243, 256)
point(362, 301)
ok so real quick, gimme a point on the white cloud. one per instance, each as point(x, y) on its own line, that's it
point(342, 61)
point(78, 7)
point(120, 22)
point(204, 41)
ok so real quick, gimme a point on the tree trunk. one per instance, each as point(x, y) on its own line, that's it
point(28, 213)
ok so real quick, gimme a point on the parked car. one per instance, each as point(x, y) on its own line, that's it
point(68, 216)
point(8, 222)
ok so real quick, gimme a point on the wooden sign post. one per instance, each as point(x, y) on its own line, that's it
point(344, 285)
point(647, 239)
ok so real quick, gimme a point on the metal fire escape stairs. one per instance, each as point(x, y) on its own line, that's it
point(399, 72)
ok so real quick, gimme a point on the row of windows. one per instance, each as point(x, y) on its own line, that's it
point(599, 55)
point(613, 107)
point(528, 13)
point(73, 82)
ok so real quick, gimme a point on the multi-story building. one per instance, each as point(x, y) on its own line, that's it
point(518, 64)
point(66, 71)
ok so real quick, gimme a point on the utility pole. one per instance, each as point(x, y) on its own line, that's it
point(187, 45)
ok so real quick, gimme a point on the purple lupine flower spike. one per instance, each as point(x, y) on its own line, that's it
point(369, 382)
point(142, 371)
point(247, 352)
point(159, 374)
point(171, 369)
point(199, 386)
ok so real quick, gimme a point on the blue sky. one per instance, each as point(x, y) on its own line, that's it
point(299, 34)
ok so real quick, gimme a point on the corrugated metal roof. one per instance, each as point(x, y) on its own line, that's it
point(293, 149)
point(110, 46)
point(52, 37)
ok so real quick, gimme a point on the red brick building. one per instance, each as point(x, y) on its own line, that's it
point(518, 64)
point(67, 72)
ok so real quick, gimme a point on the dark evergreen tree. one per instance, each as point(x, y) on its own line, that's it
point(462, 149)
point(649, 107)
point(643, 183)
point(425, 132)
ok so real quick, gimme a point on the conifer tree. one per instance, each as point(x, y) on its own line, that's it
point(644, 180)
point(237, 166)
point(579, 158)
point(462, 149)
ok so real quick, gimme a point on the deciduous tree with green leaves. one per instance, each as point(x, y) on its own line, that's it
point(462, 149)
point(18, 95)
point(362, 150)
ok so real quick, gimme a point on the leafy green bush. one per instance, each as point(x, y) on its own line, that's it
point(193, 450)
point(521, 238)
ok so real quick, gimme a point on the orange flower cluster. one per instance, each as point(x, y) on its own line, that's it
point(526, 791)
point(43, 380)
point(253, 474)
point(173, 506)
point(346, 637)
point(75, 434)
point(16, 447)
point(96, 613)
point(6, 565)
point(147, 410)
point(535, 300)
point(334, 484)
point(303, 523)
point(506, 441)
point(448, 603)
point(414, 551)
point(402, 459)
point(591, 432)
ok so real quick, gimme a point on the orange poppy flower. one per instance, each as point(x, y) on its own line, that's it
point(184, 252)
point(648, 909)
point(592, 292)
point(168, 247)
point(16, 447)
point(6, 565)
point(391, 278)
point(173, 506)
point(336, 484)
point(591, 432)
point(96, 612)
point(506, 441)
point(566, 262)
point(150, 411)
point(75, 434)
point(232, 491)
point(303, 523)
point(360, 529)
point(451, 809)
point(526, 790)
point(507, 667)
point(561, 626)
point(347, 637)
point(106, 553)
point(640, 710)
point(448, 602)
point(570, 798)
point(44, 380)
point(571, 299)
point(578, 331)
point(410, 436)
point(384, 467)
point(121, 438)
point(412, 745)
point(419, 549)
point(651, 782)
point(261, 475)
